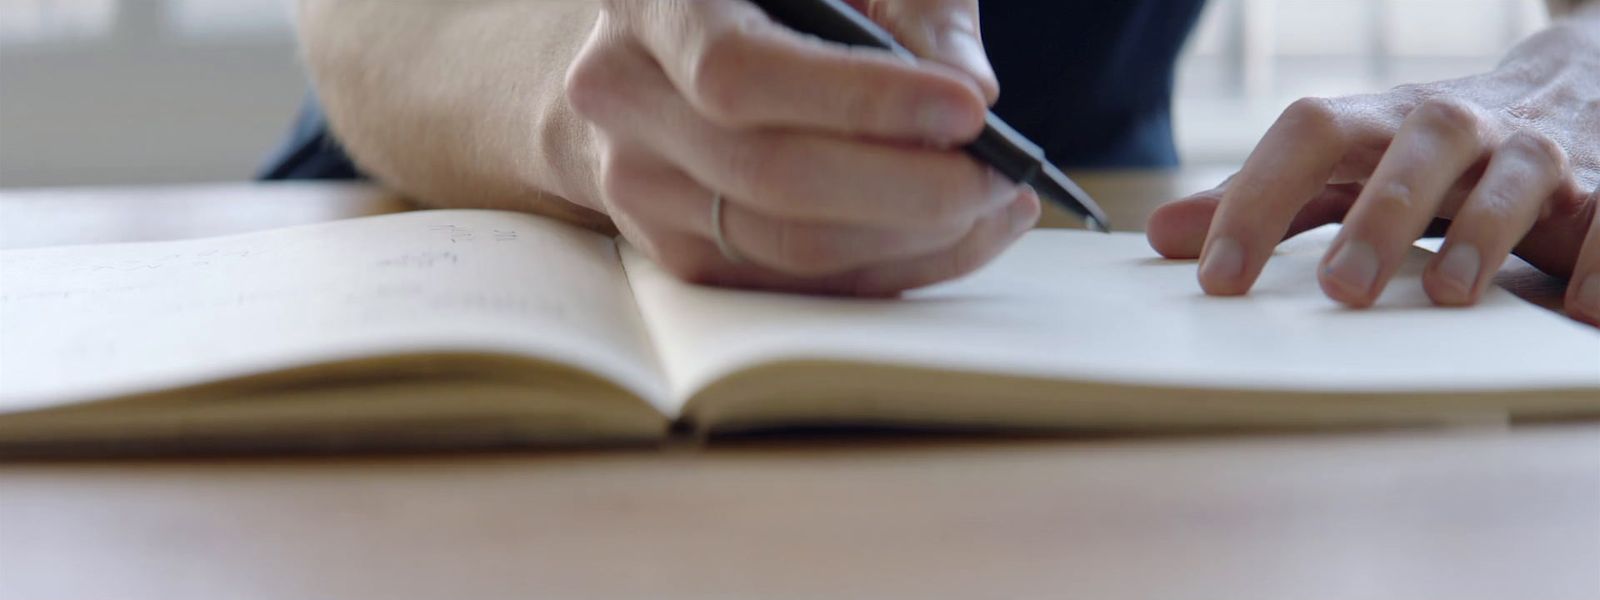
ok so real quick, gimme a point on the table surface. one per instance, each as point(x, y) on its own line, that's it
point(1464, 513)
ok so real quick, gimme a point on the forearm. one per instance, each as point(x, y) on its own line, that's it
point(458, 103)
point(1571, 42)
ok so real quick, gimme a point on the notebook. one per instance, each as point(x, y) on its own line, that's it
point(457, 328)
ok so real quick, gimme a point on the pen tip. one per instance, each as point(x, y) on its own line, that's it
point(1056, 186)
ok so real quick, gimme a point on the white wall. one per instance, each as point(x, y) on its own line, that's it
point(1251, 58)
point(140, 91)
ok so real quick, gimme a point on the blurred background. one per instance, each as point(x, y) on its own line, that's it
point(163, 91)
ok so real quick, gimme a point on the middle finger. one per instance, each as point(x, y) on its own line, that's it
point(799, 175)
point(1438, 142)
point(652, 190)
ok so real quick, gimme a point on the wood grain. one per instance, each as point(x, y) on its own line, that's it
point(1459, 515)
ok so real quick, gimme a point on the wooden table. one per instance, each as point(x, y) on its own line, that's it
point(1459, 514)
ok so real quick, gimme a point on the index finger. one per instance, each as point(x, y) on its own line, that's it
point(739, 68)
point(1290, 167)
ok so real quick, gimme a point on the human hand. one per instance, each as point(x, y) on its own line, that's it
point(1511, 158)
point(836, 166)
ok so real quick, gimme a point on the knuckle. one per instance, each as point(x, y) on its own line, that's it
point(1392, 199)
point(1494, 205)
point(590, 86)
point(718, 76)
point(1449, 115)
point(1523, 112)
point(1538, 149)
point(1569, 207)
point(584, 89)
point(1318, 116)
point(1498, 200)
point(1415, 92)
point(1404, 99)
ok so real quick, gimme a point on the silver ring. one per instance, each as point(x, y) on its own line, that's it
point(717, 233)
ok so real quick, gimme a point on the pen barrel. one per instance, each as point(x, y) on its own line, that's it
point(1007, 151)
point(1003, 148)
point(834, 21)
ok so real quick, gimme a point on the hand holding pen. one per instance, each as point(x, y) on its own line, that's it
point(738, 151)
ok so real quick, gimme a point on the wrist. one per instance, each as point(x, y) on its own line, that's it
point(1570, 41)
point(562, 166)
point(557, 159)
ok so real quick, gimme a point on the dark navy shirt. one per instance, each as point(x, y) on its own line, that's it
point(1090, 80)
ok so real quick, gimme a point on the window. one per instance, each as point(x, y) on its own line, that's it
point(1250, 58)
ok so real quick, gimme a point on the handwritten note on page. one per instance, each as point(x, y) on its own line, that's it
point(94, 321)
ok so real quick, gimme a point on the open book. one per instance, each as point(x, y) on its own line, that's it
point(468, 328)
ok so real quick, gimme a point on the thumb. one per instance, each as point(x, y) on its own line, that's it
point(943, 31)
point(1179, 229)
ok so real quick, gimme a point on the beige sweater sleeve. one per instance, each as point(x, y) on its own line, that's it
point(459, 103)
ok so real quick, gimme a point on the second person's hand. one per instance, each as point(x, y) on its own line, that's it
point(836, 168)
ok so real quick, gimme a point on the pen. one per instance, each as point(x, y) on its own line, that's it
point(999, 146)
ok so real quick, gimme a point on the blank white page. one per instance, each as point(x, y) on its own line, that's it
point(1106, 308)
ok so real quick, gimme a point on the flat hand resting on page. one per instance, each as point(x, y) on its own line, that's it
point(1511, 158)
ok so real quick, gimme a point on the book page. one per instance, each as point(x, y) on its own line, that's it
point(1106, 309)
point(90, 322)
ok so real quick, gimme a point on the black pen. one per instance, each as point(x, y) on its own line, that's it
point(999, 145)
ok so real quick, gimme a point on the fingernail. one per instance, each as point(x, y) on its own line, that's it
point(1024, 213)
point(1001, 188)
point(942, 120)
point(1589, 297)
point(1355, 265)
point(1460, 267)
point(1224, 261)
